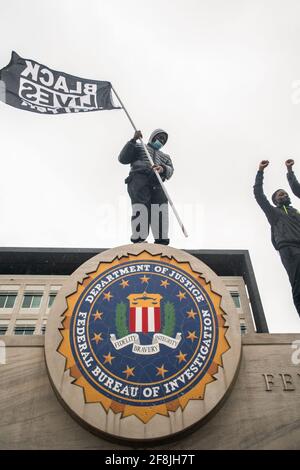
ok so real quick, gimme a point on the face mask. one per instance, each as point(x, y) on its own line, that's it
point(157, 144)
point(285, 201)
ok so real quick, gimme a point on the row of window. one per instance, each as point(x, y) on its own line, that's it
point(21, 330)
point(30, 300)
point(34, 300)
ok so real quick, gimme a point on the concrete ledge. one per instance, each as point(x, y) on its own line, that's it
point(23, 341)
point(248, 339)
point(266, 338)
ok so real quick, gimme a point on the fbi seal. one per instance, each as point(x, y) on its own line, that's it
point(142, 342)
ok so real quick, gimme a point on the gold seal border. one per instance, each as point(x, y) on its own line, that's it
point(143, 413)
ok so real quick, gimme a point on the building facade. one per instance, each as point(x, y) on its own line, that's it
point(261, 412)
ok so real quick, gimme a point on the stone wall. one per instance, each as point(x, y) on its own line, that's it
point(31, 417)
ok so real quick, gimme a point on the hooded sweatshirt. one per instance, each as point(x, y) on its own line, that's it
point(134, 153)
point(284, 221)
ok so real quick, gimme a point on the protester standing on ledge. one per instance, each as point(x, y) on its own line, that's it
point(149, 202)
point(285, 225)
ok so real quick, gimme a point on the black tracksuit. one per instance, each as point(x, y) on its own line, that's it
point(144, 189)
point(285, 231)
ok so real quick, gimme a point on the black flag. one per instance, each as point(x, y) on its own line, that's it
point(26, 84)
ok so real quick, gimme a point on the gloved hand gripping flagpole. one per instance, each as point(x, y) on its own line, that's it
point(152, 163)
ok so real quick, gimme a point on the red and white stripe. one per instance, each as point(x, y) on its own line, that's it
point(144, 319)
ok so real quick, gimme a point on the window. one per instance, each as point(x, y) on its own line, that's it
point(51, 298)
point(243, 329)
point(24, 327)
point(3, 327)
point(24, 330)
point(236, 299)
point(43, 330)
point(7, 299)
point(32, 300)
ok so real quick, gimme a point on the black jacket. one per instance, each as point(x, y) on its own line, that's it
point(293, 182)
point(284, 221)
point(135, 154)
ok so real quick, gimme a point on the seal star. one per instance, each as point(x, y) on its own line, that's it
point(164, 283)
point(161, 370)
point(181, 295)
point(124, 283)
point(108, 296)
point(191, 314)
point(181, 357)
point(192, 335)
point(144, 279)
point(128, 371)
point(97, 315)
point(97, 337)
point(108, 358)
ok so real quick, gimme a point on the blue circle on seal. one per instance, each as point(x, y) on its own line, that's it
point(144, 333)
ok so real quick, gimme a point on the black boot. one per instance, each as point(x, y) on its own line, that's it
point(162, 241)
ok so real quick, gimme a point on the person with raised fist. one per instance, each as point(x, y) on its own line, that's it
point(285, 224)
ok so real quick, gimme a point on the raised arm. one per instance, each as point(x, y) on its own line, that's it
point(293, 182)
point(131, 150)
point(259, 195)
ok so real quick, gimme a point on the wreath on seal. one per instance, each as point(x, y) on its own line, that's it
point(121, 319)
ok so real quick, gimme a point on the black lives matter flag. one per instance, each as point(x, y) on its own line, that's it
point(26, 84)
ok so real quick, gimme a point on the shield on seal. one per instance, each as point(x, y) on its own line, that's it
point(144, 316)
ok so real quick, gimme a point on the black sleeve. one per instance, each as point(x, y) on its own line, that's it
point(261, 199)
point(294, 183)
point(129, 153)
point(168, 168)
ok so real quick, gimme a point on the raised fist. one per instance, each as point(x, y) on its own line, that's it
point(289, 163)
point(263, 164)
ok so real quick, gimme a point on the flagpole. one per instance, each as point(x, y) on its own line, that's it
point(152, 163)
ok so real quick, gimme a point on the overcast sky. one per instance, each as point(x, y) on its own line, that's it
point(220, 77)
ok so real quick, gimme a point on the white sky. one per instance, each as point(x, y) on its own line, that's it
point(218, 76)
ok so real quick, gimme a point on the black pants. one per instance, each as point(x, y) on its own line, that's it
point(290, 257)
point(149, 208)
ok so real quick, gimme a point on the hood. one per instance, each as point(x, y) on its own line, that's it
point(154, 133)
